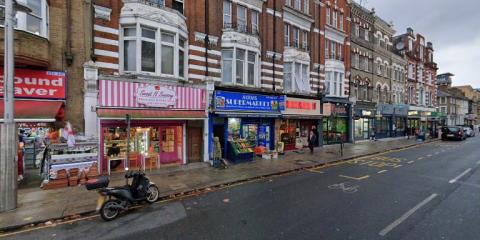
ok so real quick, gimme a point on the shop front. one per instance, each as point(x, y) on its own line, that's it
point(364, 116)
point(336, 123)
point(420, 120)
point(39, 113)
point(299, 118)
point(399, 120)
point(244, 123)
point(164, 125)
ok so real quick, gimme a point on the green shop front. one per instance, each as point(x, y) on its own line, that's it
point(336, 123)
point(244, 123)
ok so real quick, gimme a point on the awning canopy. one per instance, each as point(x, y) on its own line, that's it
point(35, 111)
point(114, 113)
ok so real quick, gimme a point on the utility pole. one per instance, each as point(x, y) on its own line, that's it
point(8, 131)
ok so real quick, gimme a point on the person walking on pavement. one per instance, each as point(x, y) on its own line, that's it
point(312, 140)
point(373, 135)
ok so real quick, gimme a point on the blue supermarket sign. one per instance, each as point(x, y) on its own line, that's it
point(233, 101)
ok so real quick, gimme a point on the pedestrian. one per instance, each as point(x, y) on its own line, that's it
point(312, 140)
point(372, 135)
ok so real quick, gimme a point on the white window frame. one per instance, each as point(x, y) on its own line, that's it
point(335, 19)
point(298, 4)
point(328, 16)
point(305, 76)
point(341, 21)
point(245, 68)
point(242, 23)
point(159, 28)
point(255, 22)
point(306, 7)
point(296, 37)
point(357, 30)
point(333, 49)
point(305, 40)
point(227, 16)
point(334, 83)
point(21, 19)
point(287, 35)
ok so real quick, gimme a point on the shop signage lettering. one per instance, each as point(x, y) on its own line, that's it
point(339, 109)
point(301, 105)
point(366, 113)
point(156, 96)
point(37, 84)
point(248, 102)
point(413, 113)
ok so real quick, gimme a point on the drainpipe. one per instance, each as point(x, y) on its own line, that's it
point(92, 32)
point(274, 40)
point(68, 52)
point(206, 39)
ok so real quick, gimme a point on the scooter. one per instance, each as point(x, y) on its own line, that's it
point(113, 200)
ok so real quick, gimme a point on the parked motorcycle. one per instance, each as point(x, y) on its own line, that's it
point(113, 200)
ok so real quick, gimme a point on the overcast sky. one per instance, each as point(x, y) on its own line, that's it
point(452, 26)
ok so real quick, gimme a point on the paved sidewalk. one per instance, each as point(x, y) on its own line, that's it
point(36, 205)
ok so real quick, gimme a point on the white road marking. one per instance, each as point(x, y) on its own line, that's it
point(404, 217)
point(410, 162)
point(460, 176)
point(383, 171)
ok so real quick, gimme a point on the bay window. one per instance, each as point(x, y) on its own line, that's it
point(239, 66)
point(334, 83)
point(152, 50)
point(35, 22)
point(296, 77)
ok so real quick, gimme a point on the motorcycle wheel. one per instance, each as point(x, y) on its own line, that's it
point(108, 212)
point(152, 194)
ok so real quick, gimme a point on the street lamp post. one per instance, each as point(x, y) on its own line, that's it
point(8, 161)
point(8, 131)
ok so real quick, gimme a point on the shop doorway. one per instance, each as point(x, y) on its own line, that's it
point(168, 145)
point(195, 144)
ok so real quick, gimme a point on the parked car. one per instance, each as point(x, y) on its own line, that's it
point(453, 132)
point(468, 132)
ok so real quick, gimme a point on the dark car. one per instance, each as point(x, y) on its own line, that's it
point(453, 132)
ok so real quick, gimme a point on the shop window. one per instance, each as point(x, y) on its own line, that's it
point(36, 21)
point(296, 77)
point(241, 65)
point(152, 50)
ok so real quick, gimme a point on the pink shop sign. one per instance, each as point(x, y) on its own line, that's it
point(156, 96)
point(115, 93)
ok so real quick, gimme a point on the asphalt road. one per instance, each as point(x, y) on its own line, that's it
point(426, 192)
